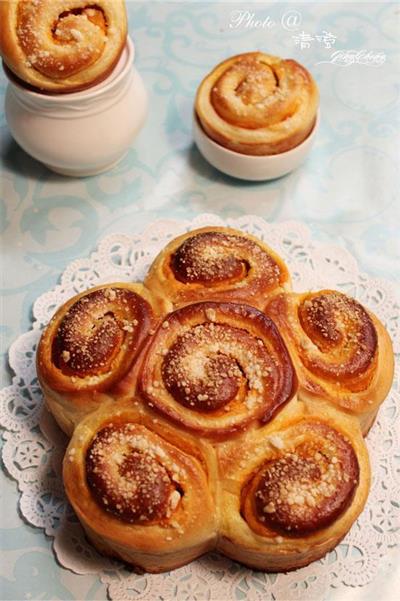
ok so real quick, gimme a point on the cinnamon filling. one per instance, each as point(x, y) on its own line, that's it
point(225, 362)
point(126, 475)
point(340, 327)
point(253, 94)
point(93, 13)
point(43, 35)
point(306, 488)
point(214, 258)
point(212, 364)
point(95, 329)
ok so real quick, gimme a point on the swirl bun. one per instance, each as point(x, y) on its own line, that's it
point(257, 104)
point(216, 368)
point(341, 351)
point(139, 489)
point(60, 45)
point(304, 489)
point(218, 263)
point(90, 345)
point(293, 490)
point(232, 423)
point(140, 498)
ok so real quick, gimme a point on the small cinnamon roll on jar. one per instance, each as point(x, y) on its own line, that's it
point(143, 492)
point(218, 263)
point(291, 492)
point(217, 369)
point(88, 351)
point(341, 351)
point(257, 104)
point(62, 45)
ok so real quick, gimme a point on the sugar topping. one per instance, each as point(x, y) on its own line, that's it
point(96, 329)
point(308, 486)
point(255, 91)
point(129, 474)
point(62, 47)
point(276, 441)
point(208, 366)
point(339, 326)
point(216, 257)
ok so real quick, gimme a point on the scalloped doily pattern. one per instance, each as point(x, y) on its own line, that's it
point(34, 446)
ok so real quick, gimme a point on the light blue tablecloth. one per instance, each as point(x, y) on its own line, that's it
point(347, 191)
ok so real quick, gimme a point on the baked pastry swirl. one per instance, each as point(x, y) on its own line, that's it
point(62, 45)
point(341, 351)
point(257, 104)
point(217, 368)
point(292, 491)
point(90, 345)
point(218, 263)
point(143, 492)
point(217, 424)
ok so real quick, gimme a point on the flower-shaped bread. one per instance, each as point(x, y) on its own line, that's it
point(211, 407)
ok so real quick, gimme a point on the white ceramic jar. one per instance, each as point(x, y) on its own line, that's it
point(81, 133)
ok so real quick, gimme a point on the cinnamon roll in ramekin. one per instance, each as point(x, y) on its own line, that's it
point(257, 104)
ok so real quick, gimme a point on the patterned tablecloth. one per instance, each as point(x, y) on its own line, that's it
point(347, 192)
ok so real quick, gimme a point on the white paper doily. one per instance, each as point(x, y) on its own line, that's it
point(34, 446)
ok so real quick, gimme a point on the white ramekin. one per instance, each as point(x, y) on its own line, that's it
point(251, 167)
point(81, 133)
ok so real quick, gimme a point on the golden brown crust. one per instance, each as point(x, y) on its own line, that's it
point(196, 438)
point(183, 523)
point(218, 263)
point(291, 491)
point(217, 368)
point(257, 104)
point(341, 351)
point(62, 45)
point(87, 354)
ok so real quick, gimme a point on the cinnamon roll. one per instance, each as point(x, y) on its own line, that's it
point(341, 351)
point(143, 492)
point(90, 346)
point(292, 491)
point(216, 369)
point(257, 104)
point(62, 45)
point(218, 263)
